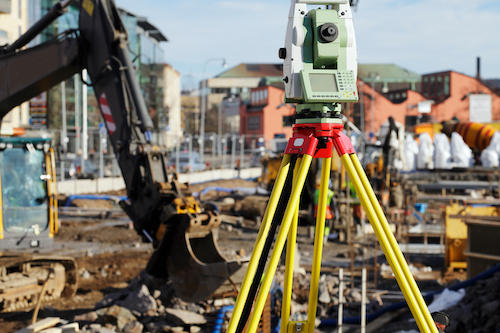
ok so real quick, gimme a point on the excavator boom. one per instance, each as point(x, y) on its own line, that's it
point(161, 213)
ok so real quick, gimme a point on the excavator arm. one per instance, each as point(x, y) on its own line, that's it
point(181, 232)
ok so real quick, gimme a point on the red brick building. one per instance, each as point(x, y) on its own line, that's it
point(266, 115)
point(444, 96)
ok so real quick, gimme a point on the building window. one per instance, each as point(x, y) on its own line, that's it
point(20, 8)
point(253, 123)
point(3, 34)
point(447, 85)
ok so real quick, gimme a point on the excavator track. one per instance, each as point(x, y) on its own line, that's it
point(23, 276)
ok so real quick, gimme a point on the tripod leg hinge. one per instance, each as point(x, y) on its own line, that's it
point(343, 144)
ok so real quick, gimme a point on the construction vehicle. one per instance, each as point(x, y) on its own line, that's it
point(28, 219)
point(180, 229)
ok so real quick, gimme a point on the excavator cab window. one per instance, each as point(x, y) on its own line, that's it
point(24, 192)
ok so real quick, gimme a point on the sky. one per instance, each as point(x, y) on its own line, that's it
point(421, 35)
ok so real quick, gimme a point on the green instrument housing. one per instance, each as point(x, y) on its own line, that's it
point(325, 79)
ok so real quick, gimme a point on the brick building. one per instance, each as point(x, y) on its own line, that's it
point(443, 96)
point(266, 115)
point(460, 96)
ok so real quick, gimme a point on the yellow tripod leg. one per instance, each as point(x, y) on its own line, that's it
point(279, 244)
point(384, 243)
point(318, 243)
point(392, 241)
point(259, 244)
point(290, 257)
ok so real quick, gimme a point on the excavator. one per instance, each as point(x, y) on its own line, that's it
point(180, 229)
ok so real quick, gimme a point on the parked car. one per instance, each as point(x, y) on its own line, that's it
point(186, 164)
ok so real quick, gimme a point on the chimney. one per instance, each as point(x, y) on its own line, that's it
point(478, 68)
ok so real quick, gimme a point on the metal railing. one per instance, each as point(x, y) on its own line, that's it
point(229, 151)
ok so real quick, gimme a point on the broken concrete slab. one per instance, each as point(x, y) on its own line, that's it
point(116, 315)
point(139, 300)
point(186, 317)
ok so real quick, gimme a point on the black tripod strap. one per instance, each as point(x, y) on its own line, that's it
point(278, 215)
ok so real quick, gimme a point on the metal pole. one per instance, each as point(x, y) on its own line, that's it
point(219, 123)
point(341, 303)
point(233, 151)
point(363, 300)
point(202, 118)
point(77, 113)
point(224, 148)
point(242, 151)
point(85, 134)
point(177, 155)
point(101, 154)
point(190, 153)
point(214, 149)
point(64, 132)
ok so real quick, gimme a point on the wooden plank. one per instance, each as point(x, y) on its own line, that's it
point(40, 325)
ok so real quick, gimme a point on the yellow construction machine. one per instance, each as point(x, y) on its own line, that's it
point(28, 220)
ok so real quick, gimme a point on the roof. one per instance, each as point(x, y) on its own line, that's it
point(143, 22)
point(492, 83)
point(386, 73)
point(253, 70)
point(153, 31)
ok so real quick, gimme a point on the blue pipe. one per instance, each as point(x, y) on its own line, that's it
point(244, 190)
point(93, 197)
point(396, 306)
point(220, 318)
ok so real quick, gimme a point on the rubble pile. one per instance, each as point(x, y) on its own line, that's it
point(479, 310)
point(146, 305)
point(328, 296)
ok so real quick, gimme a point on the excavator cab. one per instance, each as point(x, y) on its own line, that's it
point(28, 221)
point(28, 207)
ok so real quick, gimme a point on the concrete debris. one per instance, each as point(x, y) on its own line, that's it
point(41, 325)
point(223, 301)
point(187, 317)
point(116, 315)
point(133, 327)
point(84, 274)
point(88, 317)
point(68, 328)
point(96, 328)
point(324, 295)
point(140, 301)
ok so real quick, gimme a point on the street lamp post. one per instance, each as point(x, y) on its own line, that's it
point(203, 104)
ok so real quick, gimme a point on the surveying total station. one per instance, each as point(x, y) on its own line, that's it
point(320, 70)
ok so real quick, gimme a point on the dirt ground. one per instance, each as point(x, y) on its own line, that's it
point(107, 271)
point(109, 254)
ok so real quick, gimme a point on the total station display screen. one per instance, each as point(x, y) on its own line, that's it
point(323, 82)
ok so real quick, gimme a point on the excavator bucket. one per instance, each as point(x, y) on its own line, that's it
point(192, 260)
